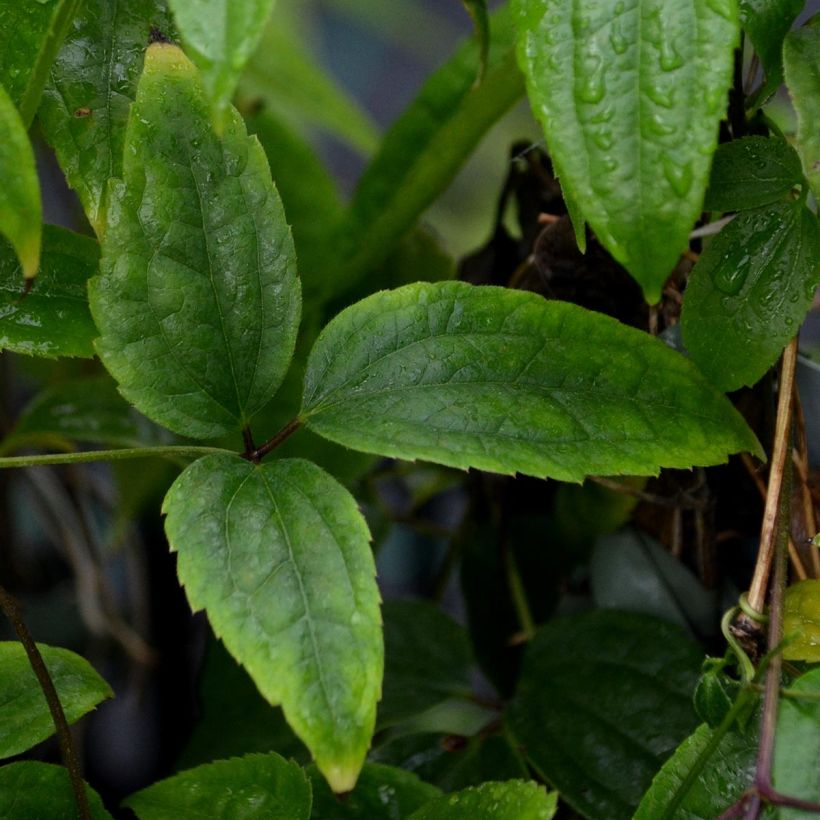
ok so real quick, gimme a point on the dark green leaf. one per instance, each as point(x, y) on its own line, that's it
point(31, 790)
point(90, 90)
point(604, 698)
point(750, 292)
point(20, 209)
point(254, 787)
point(427, 660)
point(797, 744)
point(630, 96)
point(30, 37)
point(382, 793)
point(801, 621)
point(801, 65)
point(24, 716)
point(53, 320)
point(198, 302)
point(505, 381)
point(278, 555)
point(715, 692)
point(477, 9)
point(767, 22)
point(751, 172)
point(727, 774)
point(423, 151)
point(220, 37)
point(493, 801)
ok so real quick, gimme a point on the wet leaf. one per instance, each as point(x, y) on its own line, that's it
point(801, 621)
point(493, 801)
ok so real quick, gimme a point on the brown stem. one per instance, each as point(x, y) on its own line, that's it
point(272, 443)
point(12, 611)
point(250, 447)
point(802, 464)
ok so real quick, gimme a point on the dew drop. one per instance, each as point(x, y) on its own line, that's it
point(658, 94)
point(724, 8)
point(678, 176)
point(729, 276)
point(603, 139)
point(592, 88)
point(670, 58)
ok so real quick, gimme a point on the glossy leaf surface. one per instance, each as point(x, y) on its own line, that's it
point(278, 556)
point(24, 716)
point(220, 36)
point(198, 301)
point(750, 292)
point(90, 89)
point(797, 744)
point(21, 215)
point(54, 319)
point(493, 801)
point(728, 772)
point(254, 787)
point(801, 65)
point(603, 699)
point(801, 621)
point(767, 22)
point(630, 95)
point(505, 381)
point(30, 789)
point(751, 172)
point(382, 793)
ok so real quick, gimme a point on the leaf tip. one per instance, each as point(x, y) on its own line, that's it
point(340, 776)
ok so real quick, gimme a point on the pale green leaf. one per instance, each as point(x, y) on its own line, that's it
point(603, 699)
point(90, 89)
point(506, 381)
point(254, 787)
point(801, 621)
point(31, 790)
point(750, 291)
point(767, 22)
point(198, 300)
point(220, 36)
point(493, 801)
point(21, 218)
point(801, 66)
point(25, 719)
point(630, 95)
point(278, 556)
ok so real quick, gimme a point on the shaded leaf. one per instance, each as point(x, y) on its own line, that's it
point(797, 745)
point(54, 319)
point(630, 98)
point(603, 699)
point(750, 292)
point(89, 92)
point(727, 774)
point(382, 793)
point(477, 9)
point(801, 621)
point(254, 787)
point(278, 555)
point(30, 789)
point(751, 172)
point(24, 716)
point(505, 381)
point(220, 36)
point(493, 801)
point(21, 215)
point(801, 65)
point(198, 271)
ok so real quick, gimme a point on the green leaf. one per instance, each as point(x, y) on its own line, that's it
point(423, 150)
point(506, 381)
point(767, 22)
point(427, 659)
point(278, 555)
point(21, 215)
point(382, 793)
point(477, 9)
point(29, 789)
point(797, 744)
point(220, 37)
point(254, 787)
point(630, 96)
point(30, 37)
point(198, 301)
point(801, 66)
point(603, 699)
point(90, 89)
point(751, 172)
point(493, 801)
point(728, 772)
point(53, 319)
point(24, 716)
point(801, 621)
point(750, 292)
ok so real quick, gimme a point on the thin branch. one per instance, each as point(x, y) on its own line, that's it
point(12, 611)
point(802, 464)
point(121, 454)
point(272, 443)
